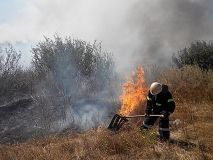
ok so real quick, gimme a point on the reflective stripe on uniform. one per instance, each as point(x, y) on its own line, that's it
point(149, 99)
point(147, 125)
point(164, 129)
point(170, 100)
point(158, 104)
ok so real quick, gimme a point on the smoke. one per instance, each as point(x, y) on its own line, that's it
point(149, 32)
point(136, 31)
point(80, 87)
point(91, 114)
point(166, 26)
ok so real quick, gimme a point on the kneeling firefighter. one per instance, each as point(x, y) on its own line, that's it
point(159, 101)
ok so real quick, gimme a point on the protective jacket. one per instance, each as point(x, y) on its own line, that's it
point(162, 102)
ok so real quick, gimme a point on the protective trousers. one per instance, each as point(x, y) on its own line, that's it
point(163, 126)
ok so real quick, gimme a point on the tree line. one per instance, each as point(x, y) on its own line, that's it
point(76, 68)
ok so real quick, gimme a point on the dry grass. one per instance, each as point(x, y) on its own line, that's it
point(128, 143)
point(193, 136)
point(189, 84)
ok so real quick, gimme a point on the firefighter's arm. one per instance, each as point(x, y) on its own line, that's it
point(170, 106)
point(149, 105)
point(170, 103)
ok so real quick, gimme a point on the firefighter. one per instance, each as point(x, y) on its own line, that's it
point(159, 101)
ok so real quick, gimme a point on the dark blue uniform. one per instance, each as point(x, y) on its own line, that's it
point(161, 103)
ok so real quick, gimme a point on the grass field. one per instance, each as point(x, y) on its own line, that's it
point(191, 137)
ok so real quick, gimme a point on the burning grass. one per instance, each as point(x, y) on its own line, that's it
point(134, 93)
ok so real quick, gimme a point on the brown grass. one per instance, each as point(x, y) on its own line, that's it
point(189, 84)
point(129, 143)
point(193, 136)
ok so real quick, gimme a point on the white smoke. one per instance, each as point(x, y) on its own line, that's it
point(136, 31)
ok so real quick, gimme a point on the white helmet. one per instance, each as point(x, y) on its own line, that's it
point(155, 88)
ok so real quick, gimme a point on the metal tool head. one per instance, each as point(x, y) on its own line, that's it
point(117, 122)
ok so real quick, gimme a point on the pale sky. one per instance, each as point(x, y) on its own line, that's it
point(29, 20)
point(136, 31)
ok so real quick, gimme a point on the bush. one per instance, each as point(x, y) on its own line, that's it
point(199, 53)
point(77, 78)
point(74, 66)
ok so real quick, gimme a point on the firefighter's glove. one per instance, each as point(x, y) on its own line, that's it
point(147, 114)
point(165, 114)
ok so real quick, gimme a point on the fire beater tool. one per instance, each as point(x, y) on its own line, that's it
point(118, 120)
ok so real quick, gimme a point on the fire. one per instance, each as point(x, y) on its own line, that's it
point(134, 93)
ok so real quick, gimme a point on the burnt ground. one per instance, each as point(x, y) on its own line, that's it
point(25, 118)
point(14, 120)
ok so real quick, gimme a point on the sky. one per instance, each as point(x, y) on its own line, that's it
point(136, 31)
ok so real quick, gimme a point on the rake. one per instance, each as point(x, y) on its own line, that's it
point(118, 121)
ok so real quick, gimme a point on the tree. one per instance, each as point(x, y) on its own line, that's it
point(9, 73)
point(199, 53)
point(9, 60)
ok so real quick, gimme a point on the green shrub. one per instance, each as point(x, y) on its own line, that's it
point(199, 53)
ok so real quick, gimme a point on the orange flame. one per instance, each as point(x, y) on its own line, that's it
point(134, 93)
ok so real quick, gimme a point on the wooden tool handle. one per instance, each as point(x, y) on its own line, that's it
point(137, 116)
